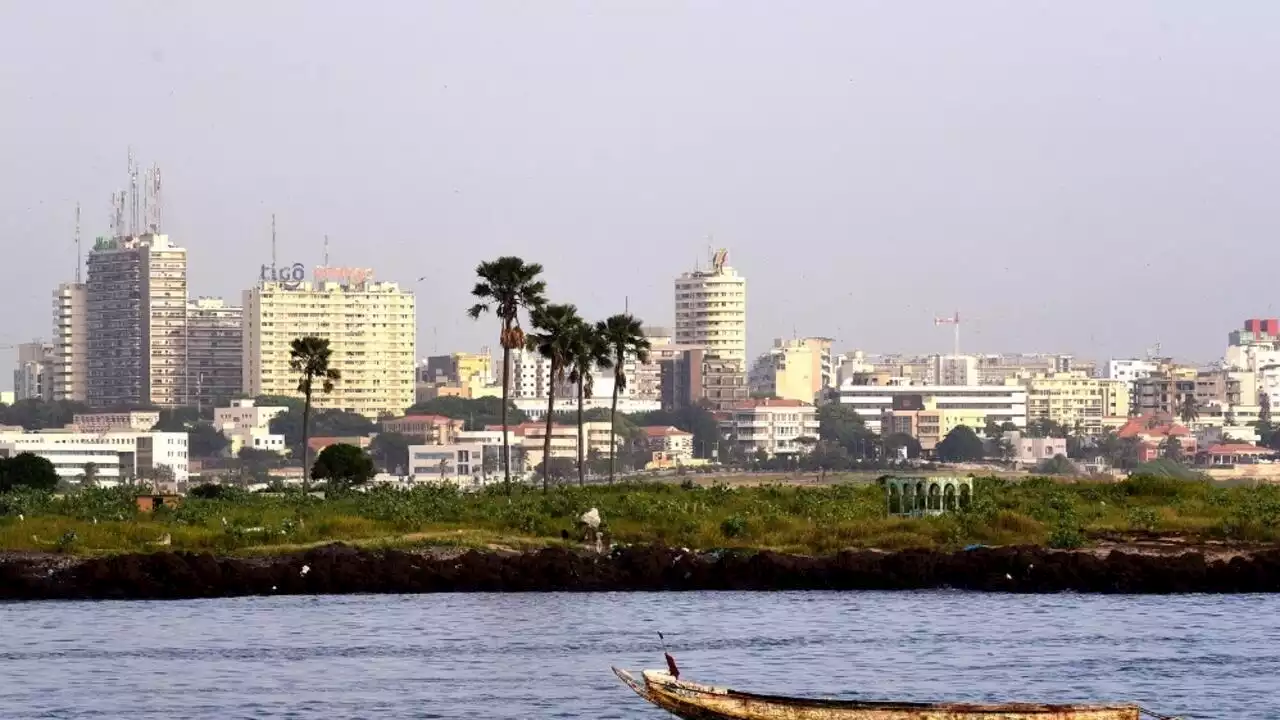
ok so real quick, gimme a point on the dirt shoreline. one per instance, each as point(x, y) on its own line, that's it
point(339, 569)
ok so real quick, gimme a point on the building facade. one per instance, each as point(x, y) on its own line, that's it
point(136, 310)
point(33, 376)
point(711, 310)
point(1075, 400)
point(972, 405)
point(772, 425)
point(107, 456)
point(370, 326)
point(954, 370)
point(71, 342)
point(138, 421)
point(215, 352)
point(693, 377)
point(798, 369)
point(428, 429)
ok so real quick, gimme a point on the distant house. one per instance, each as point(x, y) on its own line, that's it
point(429, 429)
point(669, 445)
point(1152, 431)
point(1234, 454)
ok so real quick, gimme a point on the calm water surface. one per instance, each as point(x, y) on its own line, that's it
point(548, 656)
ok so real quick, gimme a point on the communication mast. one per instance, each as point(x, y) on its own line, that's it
point(326, 251)
point(133, 192)
point(79, 260)
point(273, 240)
point(955, 322)
point(156, 216)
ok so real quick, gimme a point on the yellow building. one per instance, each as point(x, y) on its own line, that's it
point(929, 425)
point(371, 328)
point(474, 365)
point(793, 369)
point(711, 310)
point(1073, 399)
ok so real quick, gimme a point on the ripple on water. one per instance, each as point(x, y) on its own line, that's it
point(547, 656)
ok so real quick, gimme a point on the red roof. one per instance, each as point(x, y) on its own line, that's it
point(1238, 449)
point(663, 431)
point(433, 419)
point(1138, 427)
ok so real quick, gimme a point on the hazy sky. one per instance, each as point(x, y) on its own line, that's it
point(1085, 177)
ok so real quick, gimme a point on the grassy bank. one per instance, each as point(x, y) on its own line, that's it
point(796, 519)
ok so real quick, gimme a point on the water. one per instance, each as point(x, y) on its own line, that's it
point(548, 656)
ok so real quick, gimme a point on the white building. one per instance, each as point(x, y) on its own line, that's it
point(245, 424)
point(954, 370)
point(460, 464)
point(674, 445)
point(999, 403)
point(1131, 369)
point(115, 455)
point(536, 408)
point(136, 421)
point(773, 425)
point(70, 342)
point(371, 328)
point(711, 310)
point(33, 377)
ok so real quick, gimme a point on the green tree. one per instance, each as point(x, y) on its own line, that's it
point(205, 441)
point(27, 470)
point(178, 419)
point(309, 357)
point(89, 475)
point(478, 413)
point(693, 419)
point(623, 334)
point(556, 330)
point(1057, 465)
point(343, 465)
point(962, 444)
point(1171, 448)
point(1264, 409)
point(1189, 409)
point(841, 424)
point(256, 463)
point(390, 451)
point(893, 442)
point(588, 352)
point(506, 286)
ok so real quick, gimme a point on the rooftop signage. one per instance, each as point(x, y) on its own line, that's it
point(291, 276)
point(345, 276)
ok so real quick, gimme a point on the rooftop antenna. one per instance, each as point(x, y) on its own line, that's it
point(273, 240)
point(955, 322)
point(133, 191)
point(326, 251)
point(155, 195)
point(79, 261)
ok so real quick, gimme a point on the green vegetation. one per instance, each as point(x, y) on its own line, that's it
point(797, 519)
point(26, 470)
point(623, 337)
point(309, 358)
point(343, 466)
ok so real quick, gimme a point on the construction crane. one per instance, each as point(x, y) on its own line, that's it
point(954, 321)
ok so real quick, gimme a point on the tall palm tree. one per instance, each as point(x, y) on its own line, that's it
point(556, 329)
point(589, 352)
point(624, 336)
point(309, 357)
point(505, 286)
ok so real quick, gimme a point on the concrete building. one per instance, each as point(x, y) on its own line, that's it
point(463, 464)
point(798, 369)
point(1165, 391)
point(770, 424)
point(972, 405)
point(669, 445)
point(458, 369)
point(246, 424)
point(71, 342)
point(564, 440)
point(215, 352)
point(136, 421)
point(136, 309)
point(1075, 400)
point(115, 455)
point(1128, 370)
point(711, 310)
point(954, 370)
point(33, 376)
point(694, 377)
point(1256, 331)
point(1029, 451)
point(427, 429)
point(999, 369)
point(371, 328)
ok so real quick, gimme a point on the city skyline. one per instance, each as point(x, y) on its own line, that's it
point(980, 158)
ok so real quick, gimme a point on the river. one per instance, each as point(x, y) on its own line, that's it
point(548, 656)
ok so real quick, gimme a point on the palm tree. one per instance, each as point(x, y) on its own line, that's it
point(624, 336)
point(506, 285)
point(555, 332)
point(1189, 410)
point(589, 352)
point(309, 357)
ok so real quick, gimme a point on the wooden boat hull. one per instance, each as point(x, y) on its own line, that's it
point(692, 701)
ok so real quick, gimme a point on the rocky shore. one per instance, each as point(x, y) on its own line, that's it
point(338, 569)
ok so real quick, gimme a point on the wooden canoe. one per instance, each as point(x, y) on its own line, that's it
point(692, 701)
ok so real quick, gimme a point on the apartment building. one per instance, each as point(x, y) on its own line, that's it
point(798, 369)
point(972, 405)
point(463, 464)
point(1165, 391)
point(114, 455)
point(136, 421)
point(772, 425)
point(669, 445)
point(136, 317)
point(371, 328)
point(428, 429)
point(33, 376)
point(70, 342)
point(999, 369)
point(920, 417)
point(1128, 370)
point(458, 368)
point(564, 440)
point(954, 370)
point(1256, 331)
point(711, 310)
point(215, 351)
point(1075, 400)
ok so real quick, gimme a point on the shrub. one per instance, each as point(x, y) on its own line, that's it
point(1142, 518)
point(734, 526)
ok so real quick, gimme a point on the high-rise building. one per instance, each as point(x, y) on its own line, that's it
point(711, 310)
point(215, 352)
point(137, 322)
point(371, 328)
point(1075, 400)
point(33, 377)
point(954, 370)
point(798, 369)
point(70, 343)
